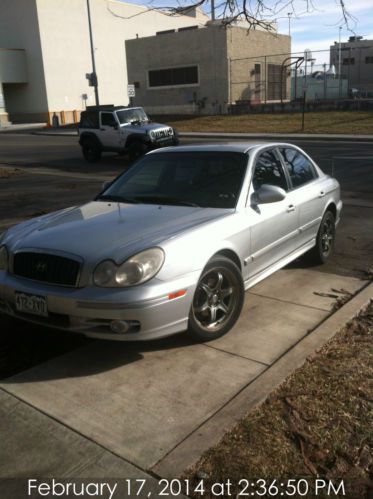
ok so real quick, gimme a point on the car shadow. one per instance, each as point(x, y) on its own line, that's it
point(34, 353)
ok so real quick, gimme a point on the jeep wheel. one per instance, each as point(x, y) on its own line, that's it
point(137, 149)
point(91, 150)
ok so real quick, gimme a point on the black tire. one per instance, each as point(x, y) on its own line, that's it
point(217, 301)
point(324, 240)
point(91, 150)
point(137, 149)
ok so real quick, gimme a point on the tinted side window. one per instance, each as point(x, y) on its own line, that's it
point(268, 170)
point(107, 119)
point(299, 167)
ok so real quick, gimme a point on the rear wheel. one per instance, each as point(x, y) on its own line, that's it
point(91, 150)
point(325, 239)
point(217, 301)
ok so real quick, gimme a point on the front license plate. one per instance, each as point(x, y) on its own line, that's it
point(31, 304)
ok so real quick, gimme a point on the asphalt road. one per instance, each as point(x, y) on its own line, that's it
point(39, 174)
point(352, 161)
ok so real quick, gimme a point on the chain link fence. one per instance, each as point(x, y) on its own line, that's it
point(338, 73)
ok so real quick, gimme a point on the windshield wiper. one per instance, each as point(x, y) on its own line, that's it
point(117, 199)
point(165, 200)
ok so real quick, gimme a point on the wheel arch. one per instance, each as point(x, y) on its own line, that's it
point(89, 135)
point(137, 137)
point(331, 206)
point(231, 255)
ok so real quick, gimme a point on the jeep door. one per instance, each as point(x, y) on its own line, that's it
point(109, 131)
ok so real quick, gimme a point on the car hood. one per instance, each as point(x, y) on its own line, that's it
point(146, 126)
point(107, 229)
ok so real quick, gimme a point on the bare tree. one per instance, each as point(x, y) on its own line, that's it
point(256, 13)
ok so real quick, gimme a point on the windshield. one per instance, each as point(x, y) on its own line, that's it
point(207, 179)
point(136, 115)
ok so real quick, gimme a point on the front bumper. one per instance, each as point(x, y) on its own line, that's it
point(146, 309)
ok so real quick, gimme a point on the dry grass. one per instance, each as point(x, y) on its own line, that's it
point(348, 122)
point(318, 423)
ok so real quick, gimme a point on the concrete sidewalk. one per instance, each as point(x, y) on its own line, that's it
point(158, 405)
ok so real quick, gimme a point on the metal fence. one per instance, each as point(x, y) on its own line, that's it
point(337, 72)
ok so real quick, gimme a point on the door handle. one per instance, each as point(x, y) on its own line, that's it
point(290, 208)
point(322, 194)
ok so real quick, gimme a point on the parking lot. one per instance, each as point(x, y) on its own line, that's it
point(145, 402)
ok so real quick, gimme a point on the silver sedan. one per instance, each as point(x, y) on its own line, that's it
point(172, 244)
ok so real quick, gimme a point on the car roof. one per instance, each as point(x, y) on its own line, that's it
point(240, 147)
point(110, 107)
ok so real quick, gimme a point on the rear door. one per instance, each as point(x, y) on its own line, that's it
point(274, 226)
point(307, 191)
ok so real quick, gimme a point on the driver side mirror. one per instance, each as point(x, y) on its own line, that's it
point(269, 194)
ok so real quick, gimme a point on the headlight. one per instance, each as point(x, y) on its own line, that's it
point(136, 270)
point(3, 258)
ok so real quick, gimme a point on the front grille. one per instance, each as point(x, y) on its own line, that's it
point(43, 267)
point(165, 134)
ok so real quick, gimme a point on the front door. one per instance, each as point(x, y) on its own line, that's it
point(274, 226)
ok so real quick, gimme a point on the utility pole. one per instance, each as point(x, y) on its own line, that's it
point(94, 74)
point(213, 10)
point(289, 16)
point(339, 63)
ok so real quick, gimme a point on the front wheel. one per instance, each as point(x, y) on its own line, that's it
point(217, 301)
point(325, 239)
point(137, 149)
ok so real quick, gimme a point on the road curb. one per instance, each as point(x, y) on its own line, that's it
point(276, 136)
point(210, 433)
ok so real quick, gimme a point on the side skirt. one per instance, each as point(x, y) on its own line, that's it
point(279, 265)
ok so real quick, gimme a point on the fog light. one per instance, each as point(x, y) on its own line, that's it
point(119, 327)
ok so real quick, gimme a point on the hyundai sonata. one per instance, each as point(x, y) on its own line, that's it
point(172, 244)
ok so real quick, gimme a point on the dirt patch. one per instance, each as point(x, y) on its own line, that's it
point(9, 172)
point(318, 423)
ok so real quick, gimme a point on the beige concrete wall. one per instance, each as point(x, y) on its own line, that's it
point(247, 48)
point(66, 49)
point(205, 47)
point(19, 29)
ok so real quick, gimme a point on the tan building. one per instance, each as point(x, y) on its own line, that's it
point(355, 58)
point(205, 69)
point(45, 53)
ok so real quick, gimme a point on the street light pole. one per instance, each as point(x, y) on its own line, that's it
point(289, 16)
point(93, 55)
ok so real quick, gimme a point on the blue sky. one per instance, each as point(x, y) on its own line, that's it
point(315, 30)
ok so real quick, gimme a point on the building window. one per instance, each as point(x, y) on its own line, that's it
point(275, 86)
point(348, 61)
point(174, 76)
point(369, 59)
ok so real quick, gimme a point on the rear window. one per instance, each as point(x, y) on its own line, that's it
point(300, 168)
point(89, 119)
